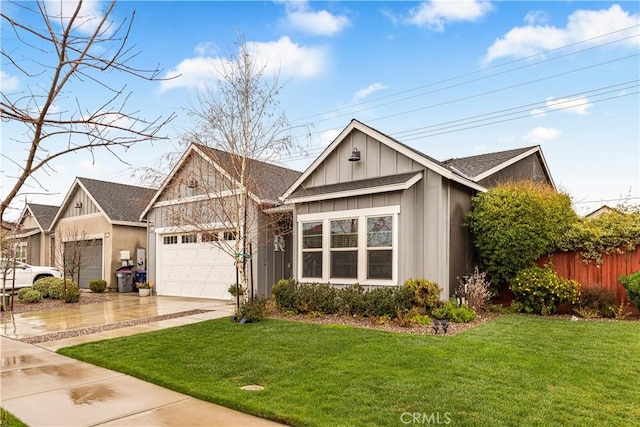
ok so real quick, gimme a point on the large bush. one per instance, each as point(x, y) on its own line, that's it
point(615, 231)
point(541, 290)
point(514, 224)
point(53, 287)
point(632, 285)
point(29, 295)
point(43, 285)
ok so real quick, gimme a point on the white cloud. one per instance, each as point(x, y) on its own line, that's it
point(434, 14)
point(531, 39)
point(8, 83)
point(328, 136)
point(322, 23)
point(88, 18)
point(541, 134)
point(536, 17)
point(364, 92)
point(578, 105)
point(283, 56)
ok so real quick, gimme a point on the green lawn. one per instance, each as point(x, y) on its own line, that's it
point(9, 420)
point(516, 370)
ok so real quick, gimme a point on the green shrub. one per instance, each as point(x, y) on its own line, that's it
point(56, 287)
point(387, 301)
point(541, 290)
point(97, 286)
point(454, 312)
point(515, 223)
point(43, 285)
point(253, 310)
point(351, 300)
point(426, 293)
point(317, 297)
point(614, 231)
point(71, 293)
point(29, 295)
point(631, 284)
point(596, 301)
point(285, 294)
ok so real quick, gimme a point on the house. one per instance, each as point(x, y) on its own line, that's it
point(374, 211)
point(193, 220)
point(33, 244)
point(101, 221)
point(604, 209)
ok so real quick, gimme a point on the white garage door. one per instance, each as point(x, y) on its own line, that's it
point(190, 268)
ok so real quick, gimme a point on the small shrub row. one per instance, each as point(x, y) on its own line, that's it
point(351, 300)
point(54, 288)
point(457, 313)
point(541, 290)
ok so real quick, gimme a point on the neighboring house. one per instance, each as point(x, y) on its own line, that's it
point(192, 215)
point(600, 211)
point(373, 211)
point(32, 236)
point(102, 219)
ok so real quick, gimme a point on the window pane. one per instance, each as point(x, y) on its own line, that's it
point(312, 264)
point(379, 231)
point(344, 264)
point(344, 233)
point(312, 236)
point(379, 264)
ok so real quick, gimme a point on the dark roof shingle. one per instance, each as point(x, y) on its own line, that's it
point(44, 214)
point(473, 166)
point(120, 202)
point(266, 181)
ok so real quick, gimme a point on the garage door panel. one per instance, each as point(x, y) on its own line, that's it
point(195, 270)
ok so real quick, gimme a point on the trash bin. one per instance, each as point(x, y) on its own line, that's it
point(141, 276)
point(125, 278)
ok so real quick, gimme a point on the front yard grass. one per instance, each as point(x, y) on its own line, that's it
point(516, 370)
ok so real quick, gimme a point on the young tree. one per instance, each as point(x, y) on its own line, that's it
point(239, 125)
point(74, 61)
point(72, 251)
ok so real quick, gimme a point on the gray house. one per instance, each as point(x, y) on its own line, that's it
point(192, 218)
point(373, 211)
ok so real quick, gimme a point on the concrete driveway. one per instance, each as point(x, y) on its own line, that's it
point(43, 388)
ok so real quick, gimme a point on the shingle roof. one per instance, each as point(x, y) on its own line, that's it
point(267, 181)
point(353, 185)
point(120, 202)
point(44, 214)
point(473, 166)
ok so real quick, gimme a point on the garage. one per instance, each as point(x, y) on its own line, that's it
point(88, 254)
point(191, 265)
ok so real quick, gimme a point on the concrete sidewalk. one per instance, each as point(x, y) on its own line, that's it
point(43, 388)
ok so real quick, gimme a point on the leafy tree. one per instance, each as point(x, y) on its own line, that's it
point(515, 223)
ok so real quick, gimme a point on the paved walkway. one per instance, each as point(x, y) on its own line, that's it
point(43, 388)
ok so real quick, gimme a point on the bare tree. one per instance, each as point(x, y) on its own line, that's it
point(72, 251)
point(70, 102)
point(239, 125)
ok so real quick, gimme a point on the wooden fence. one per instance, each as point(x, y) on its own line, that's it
point(571, 266)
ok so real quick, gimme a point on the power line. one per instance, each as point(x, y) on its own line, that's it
point(332, 112)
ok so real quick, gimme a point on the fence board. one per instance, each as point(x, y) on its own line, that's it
point(571, 266)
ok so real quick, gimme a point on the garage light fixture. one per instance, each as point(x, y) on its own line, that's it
point(355, 155)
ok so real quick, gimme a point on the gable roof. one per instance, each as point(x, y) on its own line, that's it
point(43, 214)
point(278, 178)
point(480, 166)
point(410, 152)
point(119, 203)
point(271, 179)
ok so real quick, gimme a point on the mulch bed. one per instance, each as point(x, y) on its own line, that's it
point(389, 326)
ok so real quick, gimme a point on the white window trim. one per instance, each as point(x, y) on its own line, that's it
point(361, 215)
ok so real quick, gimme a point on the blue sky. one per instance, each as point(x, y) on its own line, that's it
point(451, 79)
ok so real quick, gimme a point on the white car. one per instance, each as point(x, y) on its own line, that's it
point(26, 274)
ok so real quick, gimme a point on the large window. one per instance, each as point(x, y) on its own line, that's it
point(312, 249)
point(357, 246)
point(344, 248)
point(380, 247)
